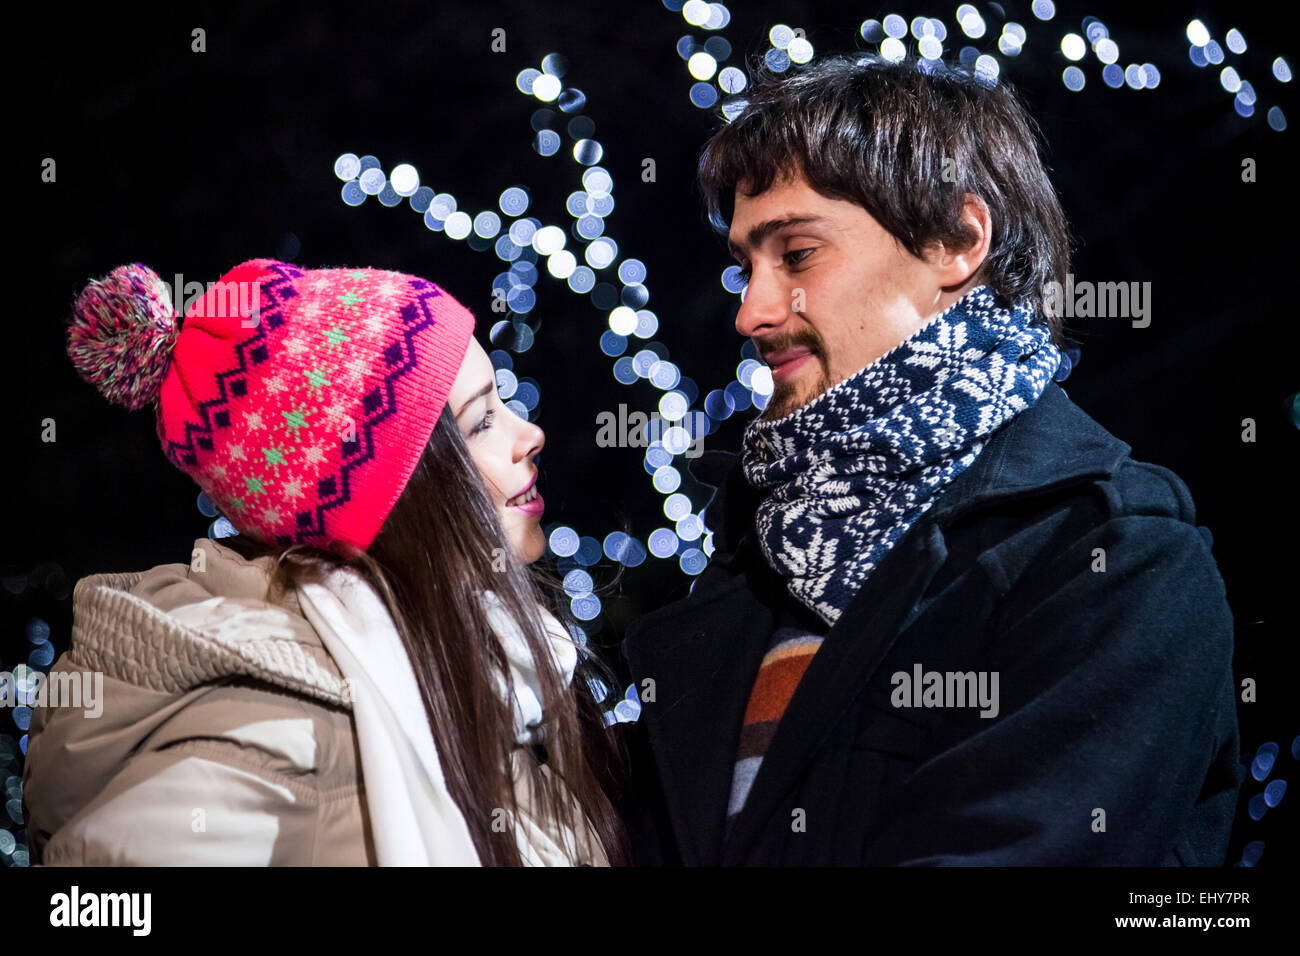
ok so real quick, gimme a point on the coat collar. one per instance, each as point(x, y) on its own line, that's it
point(1050, 444)
point(705, 650)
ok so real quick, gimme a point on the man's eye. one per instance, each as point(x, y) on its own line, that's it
point(485, 424)
point(799, 254)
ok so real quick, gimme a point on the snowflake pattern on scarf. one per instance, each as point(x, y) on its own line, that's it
point(852, 470)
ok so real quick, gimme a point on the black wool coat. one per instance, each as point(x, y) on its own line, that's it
point(1075, 573)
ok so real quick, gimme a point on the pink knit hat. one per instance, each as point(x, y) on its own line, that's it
point(299, 400)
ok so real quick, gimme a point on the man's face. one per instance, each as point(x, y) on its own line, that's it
point(830, 291)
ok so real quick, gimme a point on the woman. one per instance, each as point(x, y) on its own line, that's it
point(365, 675)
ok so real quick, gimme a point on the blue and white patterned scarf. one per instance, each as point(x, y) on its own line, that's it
point(852, 470)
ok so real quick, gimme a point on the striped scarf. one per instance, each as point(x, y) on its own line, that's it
point(853, 469)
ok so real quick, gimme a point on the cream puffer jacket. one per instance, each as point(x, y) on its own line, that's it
point(229, 733)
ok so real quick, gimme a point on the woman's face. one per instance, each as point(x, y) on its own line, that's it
point(503, 446)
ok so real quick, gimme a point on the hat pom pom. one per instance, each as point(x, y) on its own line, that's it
point(121, 334)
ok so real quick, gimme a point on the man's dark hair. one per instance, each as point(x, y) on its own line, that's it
point(882, 134)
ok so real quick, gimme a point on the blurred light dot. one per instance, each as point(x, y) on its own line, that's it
point(1073, 47)
point(1107, 50)
point(506, 383)
point(703, 95)
point(613, 344)
point(405, 179)
point(930, 48)
point(622, 321)
point(588, 151)
point(547, 87)
point(1274, 792)
point(1150, 75)
point(459, 225)
point(1095, 30)
point(1252, 852)
point(547, 142)
point(702, 66)
point(548, 240)
point(526, 78)
point(601, 252)
point(1197, 34)
point(1197, 55)
point(780, 36)
point(388, 195)
point(513, 201)
point(778, 61)
point(973, 26)
point(693, 561)
point(625, 370)
point(800, 50)
point(1229, 79)
point(564, 541)
point(1134, 76)
point(1112, 75)
point(1214, 52)
point(487, 224)
point(577, 582)
point(1008, 45)
point(1236, 42)
point(572, 100)
point(647, 323)
point(677, 506)
point(987, 67)
point(589, 227)
point(347, 166)
point(222, 528)
point(1044, 9)
point(1015, 30)
point(372, 182)
point(1276, 118)
point(732, 80)
point(895, 26)
point(631, 271)
point(1242, 107)
point(892, 49)
point(616, 545)
point(695, 12)
point(666, 480)
point(561, 264)
point(873, 31)
point(585, 607)
point(353, 194)
point(662, 542)
point(1247, 93)
point(582, 281)
point(1281, 70)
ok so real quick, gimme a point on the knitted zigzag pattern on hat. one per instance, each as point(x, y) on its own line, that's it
point(304, 415)
point(852, 470)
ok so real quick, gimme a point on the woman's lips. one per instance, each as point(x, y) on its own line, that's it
point(532, 508)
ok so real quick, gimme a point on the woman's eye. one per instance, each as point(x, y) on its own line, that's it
point(485, 424)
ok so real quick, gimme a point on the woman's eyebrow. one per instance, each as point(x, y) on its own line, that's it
point(475, 397)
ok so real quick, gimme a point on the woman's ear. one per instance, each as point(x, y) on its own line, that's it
point(954, 266)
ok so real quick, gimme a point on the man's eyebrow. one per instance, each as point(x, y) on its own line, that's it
point(764, 229)
point(475, 397)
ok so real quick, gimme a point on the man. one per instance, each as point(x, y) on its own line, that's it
point(948, 620)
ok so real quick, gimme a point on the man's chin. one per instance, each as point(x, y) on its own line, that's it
point(788, 398)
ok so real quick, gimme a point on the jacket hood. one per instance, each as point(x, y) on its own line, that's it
point(146, 645)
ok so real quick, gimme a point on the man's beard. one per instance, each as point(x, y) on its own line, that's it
point(788, 397)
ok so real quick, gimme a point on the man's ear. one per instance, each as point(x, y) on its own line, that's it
point(954, 266)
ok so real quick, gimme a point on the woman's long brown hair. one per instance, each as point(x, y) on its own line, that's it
point(441, 547)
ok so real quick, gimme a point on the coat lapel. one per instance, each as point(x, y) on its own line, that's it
point(703, 657)
point(841, 668)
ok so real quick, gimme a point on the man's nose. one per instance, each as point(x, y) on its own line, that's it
point(766, 305)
